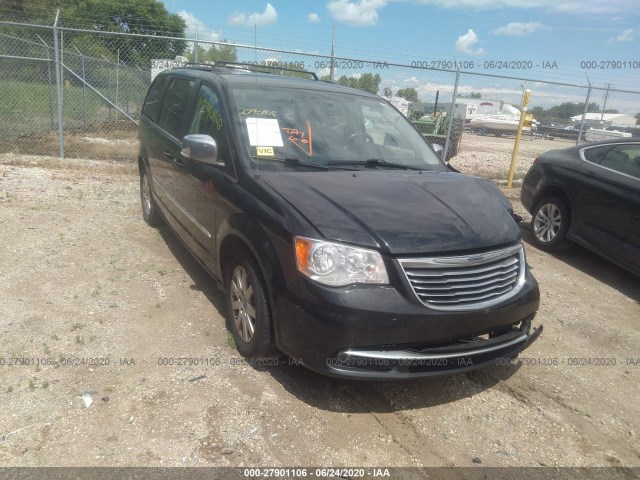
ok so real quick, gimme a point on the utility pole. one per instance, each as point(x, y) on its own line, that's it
point(333, 54)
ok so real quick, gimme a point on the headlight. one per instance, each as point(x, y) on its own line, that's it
point(336, 264)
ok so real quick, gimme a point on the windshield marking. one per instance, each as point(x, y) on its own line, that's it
point(297, 137)
point(255, 111)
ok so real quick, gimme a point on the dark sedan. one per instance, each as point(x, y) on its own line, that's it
point(589, 194)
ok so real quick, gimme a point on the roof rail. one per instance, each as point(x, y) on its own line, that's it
point(270, 69)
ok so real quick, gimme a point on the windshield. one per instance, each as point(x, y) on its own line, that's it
point(328, 128)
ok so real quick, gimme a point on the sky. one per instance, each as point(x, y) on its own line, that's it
point(572, 41)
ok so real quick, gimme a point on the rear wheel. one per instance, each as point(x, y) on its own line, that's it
point(150, 211)
point(249, 316)
point(550, 223)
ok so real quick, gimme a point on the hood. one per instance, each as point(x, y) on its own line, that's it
point(401, 212)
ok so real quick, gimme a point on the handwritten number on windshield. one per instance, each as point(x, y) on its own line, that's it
point(301, 139)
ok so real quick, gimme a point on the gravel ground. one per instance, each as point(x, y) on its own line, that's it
point(83, 277)
point(490, 156)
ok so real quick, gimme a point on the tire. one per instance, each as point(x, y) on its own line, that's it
point(150, 211)
point(549, 224)
point(248, 312)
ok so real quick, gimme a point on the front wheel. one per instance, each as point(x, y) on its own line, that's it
point(550, 223)
point(249, 317)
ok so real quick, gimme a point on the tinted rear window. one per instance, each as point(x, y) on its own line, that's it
point(595, 154)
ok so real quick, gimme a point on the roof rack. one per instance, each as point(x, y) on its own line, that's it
point(248, 67)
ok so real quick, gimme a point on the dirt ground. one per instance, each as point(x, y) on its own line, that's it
point(83, 277)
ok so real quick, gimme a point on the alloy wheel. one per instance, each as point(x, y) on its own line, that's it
point(547, 223)
point(243, 303)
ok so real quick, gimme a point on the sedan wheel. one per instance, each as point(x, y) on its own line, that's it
point(550, 223)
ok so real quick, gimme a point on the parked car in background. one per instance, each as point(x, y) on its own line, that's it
point(557, 130)
point(338, 235)
point(589, 194)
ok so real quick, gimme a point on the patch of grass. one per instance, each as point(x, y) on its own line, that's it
point(45, 384)
point(47, 350)
point(582, 412)
point(229, 341)
point(9, 389)
point(55, 337)
point(158, 305)
point(32, 383)
point(113, 305)
point(96, 291)
point(162, 270)
point(79, 340)
point(77, 326)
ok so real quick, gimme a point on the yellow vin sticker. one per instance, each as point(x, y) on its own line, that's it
point(264, 151)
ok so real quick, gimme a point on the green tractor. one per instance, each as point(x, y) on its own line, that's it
point(434, 127)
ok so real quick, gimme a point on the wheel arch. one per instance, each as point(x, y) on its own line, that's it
point(239, 232)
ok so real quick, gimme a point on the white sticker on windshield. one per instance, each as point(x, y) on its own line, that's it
point(264, 132)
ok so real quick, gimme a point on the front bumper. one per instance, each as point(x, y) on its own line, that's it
point(386, 333)
point(404, 362)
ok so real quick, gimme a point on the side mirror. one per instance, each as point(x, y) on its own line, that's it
point(201, 148)
point(438, 149)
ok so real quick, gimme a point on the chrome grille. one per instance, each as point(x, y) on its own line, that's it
point(466, 282)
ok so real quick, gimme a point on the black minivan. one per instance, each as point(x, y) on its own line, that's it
point(337, 233)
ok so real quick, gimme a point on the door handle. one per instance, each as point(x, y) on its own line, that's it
point(177, 162)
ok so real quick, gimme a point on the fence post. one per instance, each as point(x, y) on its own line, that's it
point(516, 146)
point(584, 113)
point(447, 142)
point(58, 84)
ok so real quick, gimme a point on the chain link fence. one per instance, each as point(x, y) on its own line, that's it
point(104, 76)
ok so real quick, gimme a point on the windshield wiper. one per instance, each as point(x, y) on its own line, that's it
point(292, 162)
point(374, 162)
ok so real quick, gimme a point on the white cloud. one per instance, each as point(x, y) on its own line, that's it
point(194, 22)
point(360, 14)
point(597, 7)
point(313, 17)
point(267, 17)
point(466, 41)
point(626, 35)
point(515, 29)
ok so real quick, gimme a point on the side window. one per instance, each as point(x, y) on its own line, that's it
point(208, 120)
point(173, 107)
point(153, 101)
point(624, 159)
point(596, 154)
